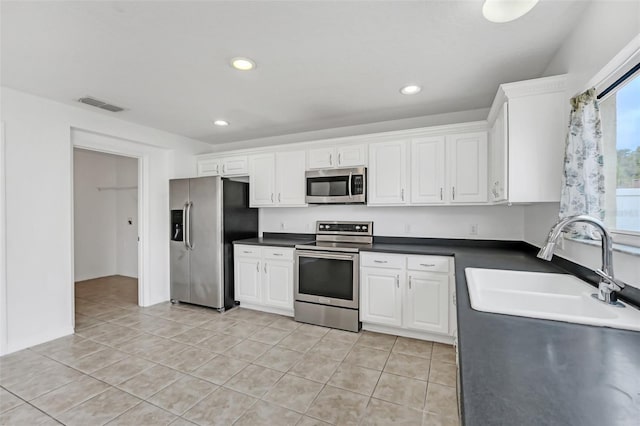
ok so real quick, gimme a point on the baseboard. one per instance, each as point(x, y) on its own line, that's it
point(37, 340)
point(279, 311)
point(421, 335)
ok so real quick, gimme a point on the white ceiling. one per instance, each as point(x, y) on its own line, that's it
point(321, 64)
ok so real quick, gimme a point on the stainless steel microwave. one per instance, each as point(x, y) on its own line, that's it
point(337, 186)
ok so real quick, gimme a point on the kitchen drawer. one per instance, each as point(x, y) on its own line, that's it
point(428, 263)
point(277, 253)
point(382, 260)
point(247, 251)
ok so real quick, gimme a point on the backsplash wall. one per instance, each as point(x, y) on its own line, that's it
point(492, 222)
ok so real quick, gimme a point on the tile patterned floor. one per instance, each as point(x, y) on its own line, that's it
point(185, 365)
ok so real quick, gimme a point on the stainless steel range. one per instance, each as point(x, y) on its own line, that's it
point(326, 275)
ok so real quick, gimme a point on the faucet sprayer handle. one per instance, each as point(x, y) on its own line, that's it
point(614, 284)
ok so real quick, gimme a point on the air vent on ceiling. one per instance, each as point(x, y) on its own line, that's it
point(100, 104)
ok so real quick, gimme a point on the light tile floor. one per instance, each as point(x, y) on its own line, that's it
point(182, 365)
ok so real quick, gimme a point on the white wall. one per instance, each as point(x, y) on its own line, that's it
point(494, 222)
point(104, 242)
point(94, 215)
point(39, 262)
point(603, 31)
point(126, 208)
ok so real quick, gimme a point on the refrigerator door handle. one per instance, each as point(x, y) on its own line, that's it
point(184, 224)
point(188, 227)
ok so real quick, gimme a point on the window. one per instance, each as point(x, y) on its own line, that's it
point(620, 111)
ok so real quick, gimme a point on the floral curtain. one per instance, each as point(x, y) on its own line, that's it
point(583, 177)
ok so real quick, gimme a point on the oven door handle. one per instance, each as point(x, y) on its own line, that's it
point(325, 255)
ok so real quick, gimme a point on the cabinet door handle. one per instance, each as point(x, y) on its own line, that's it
point(339, 158)
point(428, 265)
point(331, 159)
point(279, 198)
point(379, 261)
point(453, 192)
point(258, 266)
point(223, 168)
point(409, 282)
point(398, 280)
point(440, 194)
point(265, 267)
point(217, 168)
point(272, 197)
point(402, 194)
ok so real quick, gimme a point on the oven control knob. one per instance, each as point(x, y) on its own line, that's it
point(357, 227)
point(364, 227)
point(320, 226)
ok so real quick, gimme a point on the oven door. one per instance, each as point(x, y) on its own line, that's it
point(336, 186)
point(327, 278)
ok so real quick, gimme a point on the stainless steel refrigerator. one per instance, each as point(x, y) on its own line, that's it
point(207, 215)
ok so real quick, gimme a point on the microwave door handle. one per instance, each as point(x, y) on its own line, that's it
point(349, 184)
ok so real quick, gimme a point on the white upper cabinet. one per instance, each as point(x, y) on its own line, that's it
point(322, 158)
point(223, 166)
point(352, 155)
point(535, 115)
point(290, 180)
point(262, 180)
point(277, 180)
point(498, 156)
point(387, 173)
point(208, 166)
point(235, 166)
point(337, 157)
point(467, 163)
point(428, 170)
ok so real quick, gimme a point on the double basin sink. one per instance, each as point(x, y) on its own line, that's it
point(558, 297)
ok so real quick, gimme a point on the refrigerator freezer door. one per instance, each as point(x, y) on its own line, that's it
point(179, 255)
point(205, 216)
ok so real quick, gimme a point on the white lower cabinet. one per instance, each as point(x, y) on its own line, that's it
point(380, 296)
point(263, 278)
point(427, 302)
point(247, 279)
point(407, 295)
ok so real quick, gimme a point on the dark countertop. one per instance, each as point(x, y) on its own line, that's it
point(275, 241)
point(526, 371)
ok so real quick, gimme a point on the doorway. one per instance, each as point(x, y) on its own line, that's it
point(106, 212)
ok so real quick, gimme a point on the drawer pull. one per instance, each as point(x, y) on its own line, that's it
point(247, 251)
point(278, 254)
point(428, 265)
point(380, 261)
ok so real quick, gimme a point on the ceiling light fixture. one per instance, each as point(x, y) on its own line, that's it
point(500, 11)
point(221, 123)
point(411, 89)
point(243, 64)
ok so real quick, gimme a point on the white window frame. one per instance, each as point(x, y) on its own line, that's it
point(628, 57)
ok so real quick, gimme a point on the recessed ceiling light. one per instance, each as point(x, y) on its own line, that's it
point(243, 64)
point(500, 11)
point(221, 123)
point(411, 89)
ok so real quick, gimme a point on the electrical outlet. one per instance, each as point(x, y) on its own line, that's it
point(473, 229)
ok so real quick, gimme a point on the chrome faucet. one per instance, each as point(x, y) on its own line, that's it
point(608, 284)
